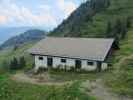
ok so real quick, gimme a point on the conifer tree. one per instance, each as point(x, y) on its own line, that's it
point(14, 64)
point(109, 29)
point(128, 22)
point(118, 26)
point(123, 31)
point(22, 62)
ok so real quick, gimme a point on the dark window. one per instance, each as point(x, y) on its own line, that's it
point(78, 64)
point(63, 60)
point(50, 61)
point(90, 63)
point(40, 58)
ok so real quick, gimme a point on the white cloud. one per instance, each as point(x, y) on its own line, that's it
point(67, 7)
point(45, 7)
point(25, 16)
point(47, 15)
point(3, 19)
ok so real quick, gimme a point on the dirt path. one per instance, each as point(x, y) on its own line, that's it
point(42, 79)
point(97, 89)
point(100, 91)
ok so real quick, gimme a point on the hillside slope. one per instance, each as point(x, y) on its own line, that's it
point(17, 46)
point(87, 21)
point(122, 83)
point(97, 26)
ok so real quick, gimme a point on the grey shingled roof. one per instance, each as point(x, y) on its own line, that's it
point(83, 48)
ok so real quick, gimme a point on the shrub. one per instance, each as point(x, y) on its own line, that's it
point(5, 66)
point(14, 64)
point(72, 68)
point(41, 69)
point(22, 62)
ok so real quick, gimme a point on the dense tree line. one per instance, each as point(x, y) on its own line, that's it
point(97, 5)
point(76, 22)
point(16, 64)
point(118, 29)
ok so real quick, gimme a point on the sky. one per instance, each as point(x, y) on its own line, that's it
point(36, 13)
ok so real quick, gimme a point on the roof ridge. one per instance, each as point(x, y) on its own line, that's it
point(79, 38)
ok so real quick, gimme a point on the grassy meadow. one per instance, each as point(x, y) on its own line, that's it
point(122, 64)
point(122, 83)
point(14, 90)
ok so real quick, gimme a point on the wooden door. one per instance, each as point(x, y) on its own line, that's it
point(78, 64)
point(50, 61)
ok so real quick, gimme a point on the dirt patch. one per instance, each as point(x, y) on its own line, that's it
point(96, 88)
point(40, 79)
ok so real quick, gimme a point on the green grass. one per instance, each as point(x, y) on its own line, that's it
point(122, 83)
point(8, 54)
point(97, 28)
point(71, 76)
point(11, 90)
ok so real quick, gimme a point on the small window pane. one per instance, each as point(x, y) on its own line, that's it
point(40, 58)
point(63, 60)
point(90, 63)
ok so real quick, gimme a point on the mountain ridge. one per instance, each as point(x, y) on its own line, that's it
point(31, 35)
point(8, 32)
point(92, 17)
point(78, 20)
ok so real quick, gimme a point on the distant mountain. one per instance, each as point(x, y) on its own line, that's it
point(7, 32)
point(28, 36)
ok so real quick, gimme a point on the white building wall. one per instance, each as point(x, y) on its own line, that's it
point(69, 63)
point(40, 63)
point(57, 61)
point(104, 66)
point(87, 67)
